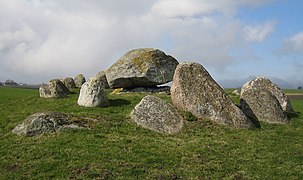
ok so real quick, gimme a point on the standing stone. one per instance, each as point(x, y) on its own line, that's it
point(102, 78)
point(69, 83)
point(79, 80)
point(54, 89)
point(155, 114)
point(258, 101)
point(49, 122)
point(262, 83)
point(141, 68)
point(92, 94)
point(236, 92)
point(194, 90)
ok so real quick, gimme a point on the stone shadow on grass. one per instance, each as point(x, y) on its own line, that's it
point(118, 102)
point(292, 114)
point(244, 106)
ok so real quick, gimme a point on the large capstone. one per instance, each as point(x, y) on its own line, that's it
point(69, 83)
point(156, 114)
point(141, 68)
point(262, 84)
point(54, 89)
point(79, 80)
point(259, 101)
point(48, 122)
point(92, 94)
point(194, 90)
point(101, 76)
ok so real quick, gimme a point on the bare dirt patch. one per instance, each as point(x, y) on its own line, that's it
point(295, 96)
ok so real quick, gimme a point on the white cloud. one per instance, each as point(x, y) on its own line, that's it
point(294, 43)
point(260, 32)
point(185, 8)
point(51, 38)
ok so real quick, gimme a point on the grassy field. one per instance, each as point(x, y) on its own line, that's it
point(115, 148)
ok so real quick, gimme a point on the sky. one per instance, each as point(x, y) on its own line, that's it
point(235, 40)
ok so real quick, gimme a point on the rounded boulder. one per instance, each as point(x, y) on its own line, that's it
point(155, 114)
point(141, 68)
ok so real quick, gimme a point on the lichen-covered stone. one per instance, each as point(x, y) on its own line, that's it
point(69, 83)
point(259, 100)
point(194, 90)
point(48, 122)
point(79, 80)
point(102, 78)
point(236, 92)
point(261, 84)
point(141, 68)
point(92, 94)
point(156, 114)
point(54, 89)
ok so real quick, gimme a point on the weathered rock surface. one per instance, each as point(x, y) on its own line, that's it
point(92, 94)
point(54, 89)
point(79, 80)
point(194, 90)
point(258, 101)
point(141, 68)
point(262, 83)
point(155, 114)
point(49, 122)
point(69, 83)
point(102, 78)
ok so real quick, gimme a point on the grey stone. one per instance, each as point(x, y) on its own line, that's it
point(155, 114)
point(92, 94)
point(194, 90)
point(69, 83)
point(262, 83)
point(102, 78)
point(236, 92)
point(54, 89)
point(48, 122)
point(79, 80)
point(141, 68)
point(258, 101)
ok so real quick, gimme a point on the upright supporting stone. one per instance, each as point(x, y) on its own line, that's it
point(261, 99)
point(92, 94)
point(194, 90)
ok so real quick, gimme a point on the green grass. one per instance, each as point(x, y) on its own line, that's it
point(115, 148)
point(293, 91)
